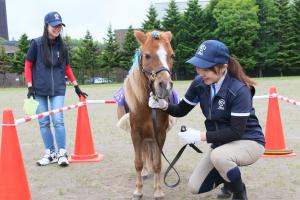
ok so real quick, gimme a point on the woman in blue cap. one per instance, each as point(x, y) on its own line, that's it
point(46, 66)
point(224, 93)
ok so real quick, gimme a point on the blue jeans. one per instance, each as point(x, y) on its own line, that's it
point(57, 120)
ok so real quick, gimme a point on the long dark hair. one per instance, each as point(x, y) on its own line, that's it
point(46, 48)
point(235, 69)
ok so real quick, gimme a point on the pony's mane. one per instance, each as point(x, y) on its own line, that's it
point(135, 89)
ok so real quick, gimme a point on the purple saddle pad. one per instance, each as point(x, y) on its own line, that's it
point(120, 97)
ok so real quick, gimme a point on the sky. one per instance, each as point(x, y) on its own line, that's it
point(27, 16)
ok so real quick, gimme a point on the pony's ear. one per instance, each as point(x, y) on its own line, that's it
point(140, 36)
point(168, 35)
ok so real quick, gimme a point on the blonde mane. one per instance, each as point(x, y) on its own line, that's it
point(135, 87)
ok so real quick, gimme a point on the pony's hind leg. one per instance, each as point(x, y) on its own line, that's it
point(158, 193)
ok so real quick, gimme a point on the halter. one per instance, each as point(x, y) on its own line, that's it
point(152, 73)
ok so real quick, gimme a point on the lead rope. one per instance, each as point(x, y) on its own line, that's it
point(178, 155)
point(171, 165)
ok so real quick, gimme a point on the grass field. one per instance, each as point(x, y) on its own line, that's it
point(114, 177)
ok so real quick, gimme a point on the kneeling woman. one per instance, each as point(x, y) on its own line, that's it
point(225, 94)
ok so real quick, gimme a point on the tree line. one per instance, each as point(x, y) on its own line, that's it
point(264, 35)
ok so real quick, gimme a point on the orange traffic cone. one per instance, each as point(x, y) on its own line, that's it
point(13, 180)
point(275, 141)
point(84, 147)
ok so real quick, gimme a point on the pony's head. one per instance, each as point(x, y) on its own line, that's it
point(156, 60)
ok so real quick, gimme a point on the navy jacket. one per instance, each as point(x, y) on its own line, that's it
point(233, 100)
point(47, 81)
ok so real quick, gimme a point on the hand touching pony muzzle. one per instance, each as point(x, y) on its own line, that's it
point(157, 103)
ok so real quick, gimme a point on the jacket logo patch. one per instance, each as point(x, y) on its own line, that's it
point(221, 104)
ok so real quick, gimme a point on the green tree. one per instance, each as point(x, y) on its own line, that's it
point(266, 45)
point(237, 28)
point(188, 37)
point(129, 47)
point(151, 23)
point(294, 58)
point(283, 36)
point(110, 56)
point(171, 22)
point(5, 61)
point(85, 58)
point(209, 22)
point(20, 56)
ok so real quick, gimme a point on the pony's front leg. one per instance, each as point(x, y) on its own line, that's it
point(138, 162)
point(158, 193)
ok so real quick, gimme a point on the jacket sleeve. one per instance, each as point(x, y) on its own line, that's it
point(179, 110)
point(28, 71)
point(234, 132)
point(69, 73)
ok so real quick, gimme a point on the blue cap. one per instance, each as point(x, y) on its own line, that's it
point(210, 53)
point(53, 19)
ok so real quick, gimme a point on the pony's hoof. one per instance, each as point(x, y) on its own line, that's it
point(159, 195)
point(137, 197)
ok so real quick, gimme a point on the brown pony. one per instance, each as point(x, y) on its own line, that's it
point(152, 75)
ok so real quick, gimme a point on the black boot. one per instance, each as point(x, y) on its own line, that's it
point(225, 192)
point(239, 190)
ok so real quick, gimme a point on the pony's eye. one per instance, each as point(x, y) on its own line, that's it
point(173, 56)
point(147, 56)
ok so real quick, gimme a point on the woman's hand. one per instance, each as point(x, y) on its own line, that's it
point(79, 92)
point(30, 92)
point(191, 136)
point(157, 103)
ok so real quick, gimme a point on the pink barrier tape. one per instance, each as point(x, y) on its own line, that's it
point(51, 112)
point(44, 114)
point(288, 100)
point(282, 98)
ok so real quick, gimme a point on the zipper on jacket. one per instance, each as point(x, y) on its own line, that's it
point(210, 108)
point(52, 83)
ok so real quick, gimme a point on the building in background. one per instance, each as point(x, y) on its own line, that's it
point(120, 36)
point(161, 7)
point(3, 20)
point(10, 50)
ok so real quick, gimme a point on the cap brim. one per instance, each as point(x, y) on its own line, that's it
point(56, 23)
point(200, 63)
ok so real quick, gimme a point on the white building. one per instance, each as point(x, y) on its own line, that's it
point(161, 7)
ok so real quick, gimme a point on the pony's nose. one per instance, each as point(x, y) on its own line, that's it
point(168, 85)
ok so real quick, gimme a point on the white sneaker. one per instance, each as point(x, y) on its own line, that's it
point(48, 158)
point(63, 158)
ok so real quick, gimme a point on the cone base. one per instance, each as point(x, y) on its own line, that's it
point(278, 153)
point(86, 158)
